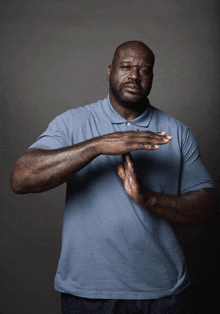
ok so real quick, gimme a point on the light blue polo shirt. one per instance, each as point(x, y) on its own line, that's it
point(112, 248)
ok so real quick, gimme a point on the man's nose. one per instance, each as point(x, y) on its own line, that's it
point(134, 73)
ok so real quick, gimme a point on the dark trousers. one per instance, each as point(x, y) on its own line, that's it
point(176, 304)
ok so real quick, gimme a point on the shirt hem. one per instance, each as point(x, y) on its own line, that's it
point(123, 295)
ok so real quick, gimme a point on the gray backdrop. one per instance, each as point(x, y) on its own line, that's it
point(55, 57)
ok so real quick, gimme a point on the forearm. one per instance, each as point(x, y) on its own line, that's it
point(39, 170)
point(193, 208)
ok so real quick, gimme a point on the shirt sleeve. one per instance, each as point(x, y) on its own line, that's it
point(56, 135)
point(194, 175)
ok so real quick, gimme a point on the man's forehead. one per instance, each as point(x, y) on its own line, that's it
point(133, 51)
point(133, 54)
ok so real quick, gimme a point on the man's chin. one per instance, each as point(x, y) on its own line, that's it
point(129, 99)
point(133, 100)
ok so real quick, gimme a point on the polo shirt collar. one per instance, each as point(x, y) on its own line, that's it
point(143, 120)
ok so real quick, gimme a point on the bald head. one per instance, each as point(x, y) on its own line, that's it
point(135, 45)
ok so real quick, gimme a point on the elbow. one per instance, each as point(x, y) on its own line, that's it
point(18, 190)
point(213, 215)
point(205, 220)
point(214, 207)
point(16, 185)
point(203, 209)
point(211, 210)
point(19, 180)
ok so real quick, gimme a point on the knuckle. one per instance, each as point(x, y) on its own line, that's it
point(150, 134)
point(150, 146)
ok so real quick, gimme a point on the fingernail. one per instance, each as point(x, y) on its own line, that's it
point(163, 133)
point(156, 146)
point(169, 137)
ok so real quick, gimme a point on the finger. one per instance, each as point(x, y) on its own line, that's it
point(125, 162)
point(158, 138)
point(121, 171)
point(149, 137)
point(129, 160)
point(126, 159)
point(143, 146)
point(152, 139)
point(162, 133)
point(129, 167)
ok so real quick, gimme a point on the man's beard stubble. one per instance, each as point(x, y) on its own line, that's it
point(137, 102)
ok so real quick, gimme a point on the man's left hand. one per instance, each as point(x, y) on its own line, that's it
point(132, 183)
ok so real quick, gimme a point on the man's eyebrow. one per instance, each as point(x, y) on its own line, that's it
point(129, 62)
point(124, 61)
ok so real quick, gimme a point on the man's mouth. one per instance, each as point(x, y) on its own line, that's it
point(132, 88)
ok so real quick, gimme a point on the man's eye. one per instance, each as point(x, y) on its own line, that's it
point(145, 71)
point(126, 67)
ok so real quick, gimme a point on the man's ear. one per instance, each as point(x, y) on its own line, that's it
point(109, 72)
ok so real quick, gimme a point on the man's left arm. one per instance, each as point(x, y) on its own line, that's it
point(192, 208)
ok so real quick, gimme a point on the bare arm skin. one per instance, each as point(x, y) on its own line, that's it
point(39, 170)
point(193, 208)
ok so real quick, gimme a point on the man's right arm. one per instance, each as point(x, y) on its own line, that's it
point(39, 170)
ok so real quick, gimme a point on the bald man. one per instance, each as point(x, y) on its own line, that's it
point(130, 170)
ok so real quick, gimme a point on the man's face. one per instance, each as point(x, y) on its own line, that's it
point(130, 77)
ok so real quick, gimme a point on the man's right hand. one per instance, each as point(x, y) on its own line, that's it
point(120, 143)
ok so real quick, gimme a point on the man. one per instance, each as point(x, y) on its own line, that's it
point(130, 170)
